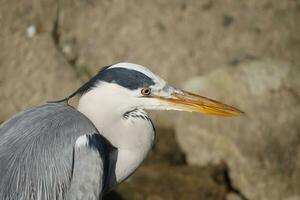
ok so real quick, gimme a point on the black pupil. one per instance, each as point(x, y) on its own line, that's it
point(147, 91)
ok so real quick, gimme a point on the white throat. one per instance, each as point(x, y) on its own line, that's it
point(132, 135)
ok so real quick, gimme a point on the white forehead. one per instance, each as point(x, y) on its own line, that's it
point(141, 69)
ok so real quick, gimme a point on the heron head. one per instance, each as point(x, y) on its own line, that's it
point(135, 87)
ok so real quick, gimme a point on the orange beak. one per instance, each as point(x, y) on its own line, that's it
point(187, 101)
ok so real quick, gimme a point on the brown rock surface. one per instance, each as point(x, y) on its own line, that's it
point(177, 38)
point(261, 148)
point(32, 71)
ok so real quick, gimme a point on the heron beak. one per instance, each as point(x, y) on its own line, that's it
point(187, 101)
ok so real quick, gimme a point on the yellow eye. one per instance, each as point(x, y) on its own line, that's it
point(146, 91)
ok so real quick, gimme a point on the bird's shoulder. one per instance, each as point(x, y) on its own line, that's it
point(50, 117)
point(53, 127)
point(36, 150)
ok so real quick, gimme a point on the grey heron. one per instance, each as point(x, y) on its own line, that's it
point(57, 152)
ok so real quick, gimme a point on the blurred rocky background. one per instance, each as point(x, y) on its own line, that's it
point(245, 53)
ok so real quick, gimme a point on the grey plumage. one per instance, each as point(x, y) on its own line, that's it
point(38, 154)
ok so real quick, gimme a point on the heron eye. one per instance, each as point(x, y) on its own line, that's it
point(146, 91)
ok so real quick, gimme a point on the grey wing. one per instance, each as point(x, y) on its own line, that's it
point(89, 169)
point(37, 152)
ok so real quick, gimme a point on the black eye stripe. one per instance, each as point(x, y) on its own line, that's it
point(127, 78)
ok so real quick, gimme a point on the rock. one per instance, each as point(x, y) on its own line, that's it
point(261, 148)
point(177, 39)
point(293, 198)
point(232, 196)
point(173, 183)
point(32, 70)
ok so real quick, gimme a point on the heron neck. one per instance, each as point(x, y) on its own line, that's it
point(132, 136)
